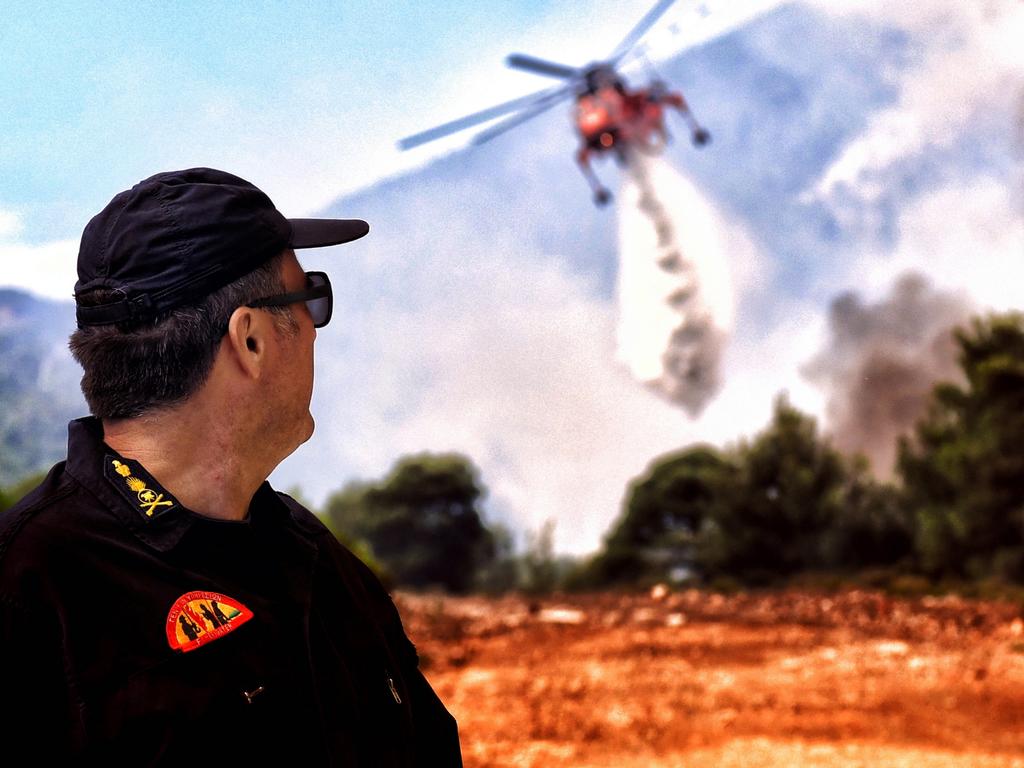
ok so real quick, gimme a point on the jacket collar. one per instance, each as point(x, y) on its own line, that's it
point(137, 499)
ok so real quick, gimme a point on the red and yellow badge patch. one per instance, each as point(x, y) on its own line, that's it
point(198, 618)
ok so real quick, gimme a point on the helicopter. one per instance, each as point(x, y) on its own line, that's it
point(610, 117)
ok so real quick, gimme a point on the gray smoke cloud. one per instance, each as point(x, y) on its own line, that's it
point(882, 360)
point(691, 341)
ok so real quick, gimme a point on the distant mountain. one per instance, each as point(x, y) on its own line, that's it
point(39, 383)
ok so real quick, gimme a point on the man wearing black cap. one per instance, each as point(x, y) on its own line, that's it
point(159, 602)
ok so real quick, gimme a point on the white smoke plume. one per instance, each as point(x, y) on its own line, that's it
point(675, 304)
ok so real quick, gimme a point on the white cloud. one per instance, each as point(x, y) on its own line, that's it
point(10, 224)
point(972, 67)
point(964, 236)
point(518, 375)
point(759, 367)
point(46, 269)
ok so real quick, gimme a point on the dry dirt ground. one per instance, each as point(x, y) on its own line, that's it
point(699, 680)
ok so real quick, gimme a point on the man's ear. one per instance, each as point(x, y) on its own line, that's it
point(246, 340)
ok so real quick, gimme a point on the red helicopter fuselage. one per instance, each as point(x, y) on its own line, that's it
point(613, 117)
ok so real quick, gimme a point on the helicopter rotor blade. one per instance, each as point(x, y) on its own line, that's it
point(540, 66)
point(640, 30)
point(528, 114)
point(454, 126)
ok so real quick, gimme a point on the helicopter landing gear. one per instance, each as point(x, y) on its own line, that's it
point(701, 137)
point(601, 194)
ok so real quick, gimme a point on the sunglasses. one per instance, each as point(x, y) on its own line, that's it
point(317, 295)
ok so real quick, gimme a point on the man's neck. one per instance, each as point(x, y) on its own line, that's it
point(196, 455)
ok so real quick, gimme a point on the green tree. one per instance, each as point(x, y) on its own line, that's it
point(772, 517)
point(422, 521)
point(963, 469)
point(662, 513)
point(875, 528)
point(780, 504)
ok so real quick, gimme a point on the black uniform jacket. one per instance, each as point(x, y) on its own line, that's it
point(136, 632)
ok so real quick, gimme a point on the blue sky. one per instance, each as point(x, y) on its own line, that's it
point(307, 97)
point(97, 95)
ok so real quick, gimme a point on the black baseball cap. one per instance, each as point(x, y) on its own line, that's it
point(178, 236)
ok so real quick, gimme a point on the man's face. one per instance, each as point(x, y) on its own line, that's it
point(292, 380)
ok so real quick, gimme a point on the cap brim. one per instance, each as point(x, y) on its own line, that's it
point(318, 233)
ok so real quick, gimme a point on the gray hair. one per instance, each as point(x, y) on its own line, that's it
point(132, 369)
